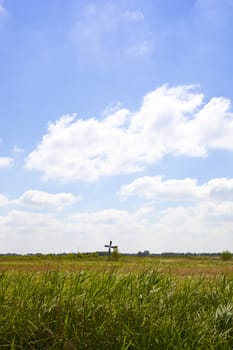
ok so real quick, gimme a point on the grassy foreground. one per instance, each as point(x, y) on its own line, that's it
point(109, 308)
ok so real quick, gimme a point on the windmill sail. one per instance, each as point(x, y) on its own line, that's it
point(110, 246)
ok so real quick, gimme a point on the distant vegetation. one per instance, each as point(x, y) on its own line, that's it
point(105, 253)
point(226, 255)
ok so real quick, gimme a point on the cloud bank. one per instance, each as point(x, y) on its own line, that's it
point(170, 121)
point(202, 227)
point(196, 218)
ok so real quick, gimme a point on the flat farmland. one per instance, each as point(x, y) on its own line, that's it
point(180, 266)
point(88, 302)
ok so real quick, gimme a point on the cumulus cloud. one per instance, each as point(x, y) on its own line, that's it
point(155, 188)
point(170, 121)
point(35, 199)
point(6, 162)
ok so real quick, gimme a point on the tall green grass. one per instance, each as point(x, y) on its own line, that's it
point(109, 310)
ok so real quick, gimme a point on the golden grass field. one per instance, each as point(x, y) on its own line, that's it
point(180, 266)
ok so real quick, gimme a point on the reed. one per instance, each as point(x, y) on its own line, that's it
point(113, 310)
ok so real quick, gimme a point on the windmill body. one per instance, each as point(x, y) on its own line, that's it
point(110, 246)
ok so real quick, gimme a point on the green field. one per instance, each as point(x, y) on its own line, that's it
point(134, 303)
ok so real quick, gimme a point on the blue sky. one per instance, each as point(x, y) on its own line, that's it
point(116, 123)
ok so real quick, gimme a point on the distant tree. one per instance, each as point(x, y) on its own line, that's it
point(226, 255)
point(145, 253)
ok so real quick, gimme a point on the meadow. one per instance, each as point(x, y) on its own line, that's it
point(93, 302)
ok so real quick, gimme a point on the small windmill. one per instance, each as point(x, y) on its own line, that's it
point(110, 246)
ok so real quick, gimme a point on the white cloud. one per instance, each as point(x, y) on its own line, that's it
point(203, 222)
point(158, 189)
point(41, 200)
point(42, 232)
point(117, 118)
point(108, 217)
point(201, 227)
point(26, 232)
point(6, 162)
point(155, 188)
point(82, 149)
point(3, 200)
point(206, 224)
point(112, 108)
point(219, 189)
point(35, 199)
point(170, 121)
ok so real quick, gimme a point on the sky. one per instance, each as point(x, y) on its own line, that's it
point(116, 123)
